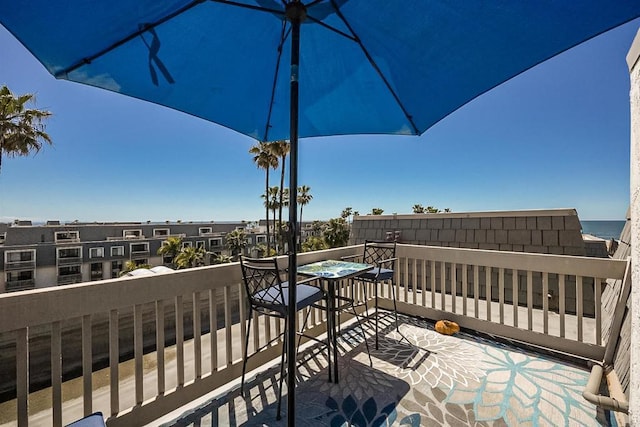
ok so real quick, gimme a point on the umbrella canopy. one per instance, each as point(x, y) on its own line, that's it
point(283, 69)
point(366, 66)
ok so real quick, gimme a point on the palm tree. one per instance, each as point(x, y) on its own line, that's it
point(236, 241)
point(304, 197)
point(376, 211)
point(346, 213)
point(129, 266)
point(190, 257)
point(221, 259)
point(171, 248)
point(281, 149)
point(336, 233)
point(314, 243)
point(262, 251)
point(21, 129)
point(418, 208)
point(271, 203)
point(264, 159)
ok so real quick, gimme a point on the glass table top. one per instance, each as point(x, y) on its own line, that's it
point(332, 269)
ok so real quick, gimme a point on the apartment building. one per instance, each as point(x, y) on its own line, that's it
point(52, 254)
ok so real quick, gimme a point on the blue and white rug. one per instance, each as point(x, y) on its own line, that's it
point(418, 378)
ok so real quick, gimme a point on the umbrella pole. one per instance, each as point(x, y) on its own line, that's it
point(295, 13)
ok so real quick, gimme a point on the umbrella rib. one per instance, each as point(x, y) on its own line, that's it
point(283, 37)
point(120, 42)
point(249, 6)
point(375, 67)
point(146, 27)
point(330, 28)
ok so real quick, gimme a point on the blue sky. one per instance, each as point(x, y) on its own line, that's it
point(556, 136)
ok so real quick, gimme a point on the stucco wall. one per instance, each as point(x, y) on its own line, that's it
point(634, 381)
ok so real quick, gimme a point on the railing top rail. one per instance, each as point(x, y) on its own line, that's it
point(42, 306)
point(558, 264)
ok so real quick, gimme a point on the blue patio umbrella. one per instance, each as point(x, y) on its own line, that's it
point(287, 69)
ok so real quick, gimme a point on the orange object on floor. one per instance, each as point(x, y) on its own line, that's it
point(447, 327)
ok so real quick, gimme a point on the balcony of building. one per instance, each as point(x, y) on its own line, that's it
point(20, 265)
point(15, 285)
point(69, 278)
point(522, 357)
point(140, 254)
point(69, 260)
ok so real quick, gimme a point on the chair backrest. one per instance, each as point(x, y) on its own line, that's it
point(376, 251)
point(262, 282)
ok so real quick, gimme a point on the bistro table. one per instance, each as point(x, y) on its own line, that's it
point(332, 272)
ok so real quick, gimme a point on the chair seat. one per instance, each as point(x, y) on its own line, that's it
point(306, 295)
point(377, 273)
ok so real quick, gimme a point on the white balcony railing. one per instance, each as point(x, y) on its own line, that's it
point(20, 265)
point(20, 285)
point(557, 303)
point(470, 286)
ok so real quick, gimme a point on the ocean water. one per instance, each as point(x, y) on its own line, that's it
point(603, 229)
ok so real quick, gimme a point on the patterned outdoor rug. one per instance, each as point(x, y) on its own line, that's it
point(418, 378)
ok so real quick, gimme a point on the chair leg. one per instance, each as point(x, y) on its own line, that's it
point(364, 335)
point(284, 344)
point(304, 325)
point(246, 351)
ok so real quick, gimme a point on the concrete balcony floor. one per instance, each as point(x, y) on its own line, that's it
point(418, 377)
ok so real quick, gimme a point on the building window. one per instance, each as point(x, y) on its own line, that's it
point(96, 271)
point(161, 232)
point(3, 237)
point(200, 244)
point(67, 236)
point(139, 247)
point(69, 270)
point(261, 239)
point(132, 234)
point(204, 230)
point(117, 251)
point(70, 254)
point(214, 243)
point(20, 257)
point(20, 280)
point(96, 252)
point(116, 268)
point(140, 262)
point(187, 245)
point(17, 276)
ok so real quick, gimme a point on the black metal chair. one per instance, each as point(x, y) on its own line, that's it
point(382, 254)
point(269, 295)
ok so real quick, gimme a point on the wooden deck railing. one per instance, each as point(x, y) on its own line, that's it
point(556, 303)
point(163, 322)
